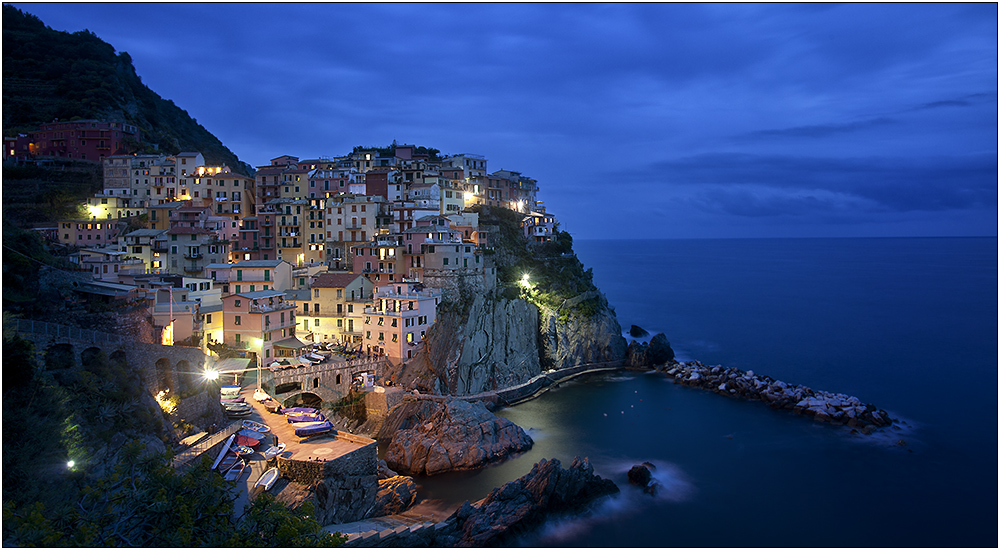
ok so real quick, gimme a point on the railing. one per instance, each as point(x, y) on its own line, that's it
point(193, 256)
point(188, 455)
point(63, 331)
point(268, 309)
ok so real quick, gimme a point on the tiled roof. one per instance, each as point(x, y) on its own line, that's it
point(334, 280)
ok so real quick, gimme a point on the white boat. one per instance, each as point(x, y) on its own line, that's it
point(222, 453)
point(272, 451)
point(228, 461)
point(256, 426)
point(229, 390)
point(267, 479)
point(260, 395)
point(242, 450)
point(236, 471)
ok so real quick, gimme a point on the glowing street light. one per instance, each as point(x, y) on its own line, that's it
point(70, 464)
point(211, 374)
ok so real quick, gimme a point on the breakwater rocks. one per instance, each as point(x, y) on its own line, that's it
point(835, 408)
point(657, 352)
point(451, 435)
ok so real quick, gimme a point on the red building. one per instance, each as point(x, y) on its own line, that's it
point(78, 139)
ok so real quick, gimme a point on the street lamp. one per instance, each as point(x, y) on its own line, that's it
point(259, 344)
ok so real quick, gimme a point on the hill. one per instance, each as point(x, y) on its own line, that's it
point(49, 74)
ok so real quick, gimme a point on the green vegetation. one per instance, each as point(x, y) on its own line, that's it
point(390, 150)
point(49, 74)
point(63, 413)
point(553, 270)
point(33, 194)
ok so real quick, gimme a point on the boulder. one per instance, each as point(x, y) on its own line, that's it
point(458, 436)
point(639, 475)
point(659, 351)
point(395, 495)
point(637, 332)
point(525, 503)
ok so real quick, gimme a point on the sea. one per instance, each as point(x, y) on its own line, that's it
point(907, 324)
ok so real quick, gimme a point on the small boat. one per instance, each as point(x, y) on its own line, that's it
point(232, 400)
point(227, 462)
point(299, 410)
point(236, 471)
point(256, 426)
point(272, 406)
point(293, 418)
point(229, 390)
point(246, 441)
point(267, 479)
point(260, 395)
point(242, 450)
point(272, 452)
point(319, 428)
point(222, 453)
point(234, 414)
point(250, 433)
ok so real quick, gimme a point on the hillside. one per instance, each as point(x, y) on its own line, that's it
point(49, 74)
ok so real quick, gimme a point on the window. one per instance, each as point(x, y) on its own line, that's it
point(316, 293)
point(238, 303)
point(316, 322)
point(237, 337)
point(237, 320)
point(208, 318)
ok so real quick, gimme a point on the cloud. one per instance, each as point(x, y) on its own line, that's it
point(745, 184)
point(820, 130)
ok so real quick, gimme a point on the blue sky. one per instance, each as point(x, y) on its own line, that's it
point(659, 120)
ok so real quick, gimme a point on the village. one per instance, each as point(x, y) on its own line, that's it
point(352, 254)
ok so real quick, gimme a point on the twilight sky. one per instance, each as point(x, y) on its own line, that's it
point(637, 120)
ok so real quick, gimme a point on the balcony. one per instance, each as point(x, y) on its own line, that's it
point(281, 306)
point(193, 255)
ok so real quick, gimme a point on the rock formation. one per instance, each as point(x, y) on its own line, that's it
point(656, 353)
point(637, 332)
point(581, 339)
point(526, 502)
point(454, 435)
point(492, 347)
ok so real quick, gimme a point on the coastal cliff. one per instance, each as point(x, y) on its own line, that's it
point(568, 340)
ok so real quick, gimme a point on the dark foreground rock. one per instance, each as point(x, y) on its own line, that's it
point(823, 406)
point(516, 508)
point(454, 435)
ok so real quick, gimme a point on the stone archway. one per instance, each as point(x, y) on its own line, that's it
point(164, 374)
point(60, 356)
point(304, 399)
point(118, 358)
point(185, 378)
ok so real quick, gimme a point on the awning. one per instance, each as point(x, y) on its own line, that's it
point(291, 343)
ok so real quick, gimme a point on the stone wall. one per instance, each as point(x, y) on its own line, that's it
point(378, 403)
point(454, 283)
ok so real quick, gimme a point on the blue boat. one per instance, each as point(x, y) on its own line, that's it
point(320, 428)
point(293, 418)
point(299, 410)
point(230, 389)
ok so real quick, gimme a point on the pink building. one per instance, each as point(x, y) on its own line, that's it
point(398, 319)
point(254, 321)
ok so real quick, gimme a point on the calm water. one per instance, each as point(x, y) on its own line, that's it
point(907, 324)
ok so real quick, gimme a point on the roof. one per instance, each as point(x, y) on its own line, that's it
point(258, 263)
point(177, 230)
point(260, 294)
point(146, 233)
point(334, 280)
point(174, 204)
point(299, 295)
point(211, 309)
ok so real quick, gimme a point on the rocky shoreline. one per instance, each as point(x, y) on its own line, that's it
point(823, 406)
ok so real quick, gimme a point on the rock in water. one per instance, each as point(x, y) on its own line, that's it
point(659, 351)
point(638, 332)
point(458, 435)
point(639, 475)
point(526, 502)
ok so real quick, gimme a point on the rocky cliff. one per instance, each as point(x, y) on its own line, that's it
point(491, 345)
point(569, 339)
